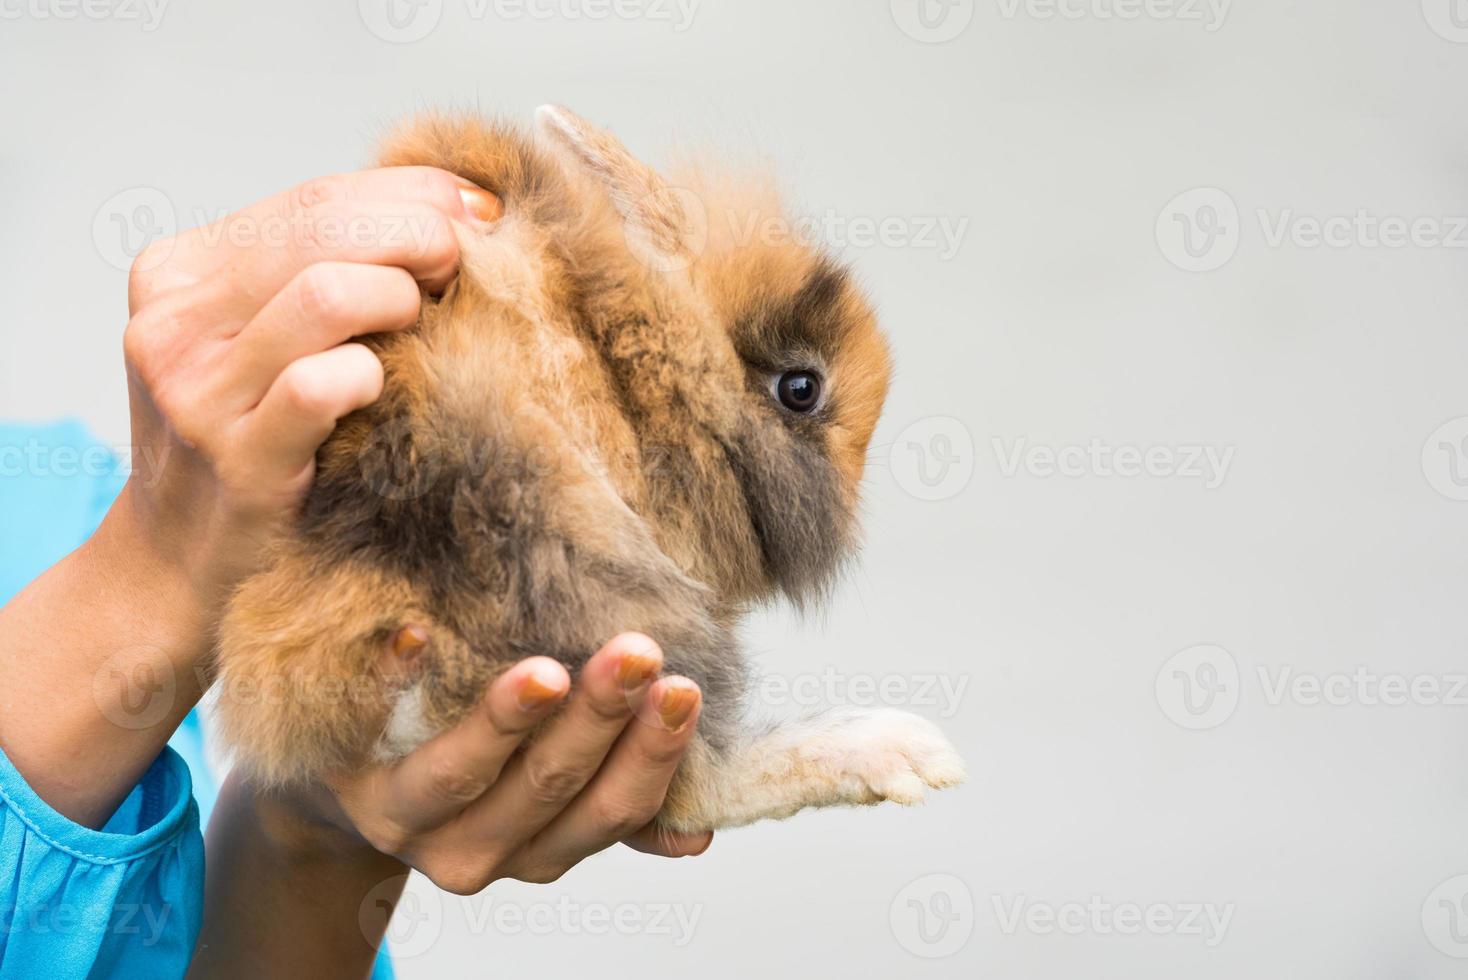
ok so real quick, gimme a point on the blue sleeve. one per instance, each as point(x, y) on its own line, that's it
point(124, 901)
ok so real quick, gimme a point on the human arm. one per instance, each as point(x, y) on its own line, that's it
point(303, 882)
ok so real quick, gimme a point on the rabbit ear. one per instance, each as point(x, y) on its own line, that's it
point(665, 225)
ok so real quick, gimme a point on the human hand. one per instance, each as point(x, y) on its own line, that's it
point(475, 804)
point(239, 363)
point(240, 360)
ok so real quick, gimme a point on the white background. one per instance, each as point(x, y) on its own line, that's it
point(1332, 542)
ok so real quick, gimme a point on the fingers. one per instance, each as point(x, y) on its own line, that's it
point(325, 304)
point(388, 216)
point(416, 237)
point(203, 250)
point(653, 839)
point(277, 442)
point(435, 783)
point(235, 329)
point(627, 791)
point(538, 784)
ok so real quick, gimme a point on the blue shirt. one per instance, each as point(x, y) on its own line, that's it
point(125, 901)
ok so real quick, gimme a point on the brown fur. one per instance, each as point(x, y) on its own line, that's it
point(578, 439)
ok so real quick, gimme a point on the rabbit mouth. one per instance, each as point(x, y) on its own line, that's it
point(744, 478)
point(793, 506)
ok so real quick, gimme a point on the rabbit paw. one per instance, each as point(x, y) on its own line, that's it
point(883, 754)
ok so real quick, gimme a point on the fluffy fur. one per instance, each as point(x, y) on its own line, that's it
point(581, 438)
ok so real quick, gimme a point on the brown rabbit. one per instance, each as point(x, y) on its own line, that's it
point(619, 417)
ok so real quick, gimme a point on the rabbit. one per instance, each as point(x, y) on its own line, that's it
point(619, 417)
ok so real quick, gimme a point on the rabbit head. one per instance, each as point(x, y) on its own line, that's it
point(791, 378)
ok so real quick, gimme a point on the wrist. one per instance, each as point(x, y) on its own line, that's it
point(142, 565)
point(101, 657)
point(305, 826)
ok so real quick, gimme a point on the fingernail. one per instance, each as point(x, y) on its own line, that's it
point(535, 694)
point(481, 204)
point(675, 704)
point(636, 670)
point(409, 640)
point(706, 845)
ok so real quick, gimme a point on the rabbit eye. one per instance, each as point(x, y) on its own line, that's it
point(799, 391)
